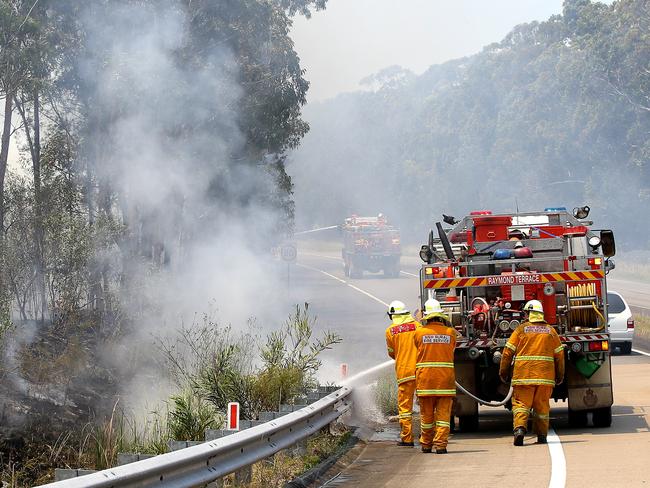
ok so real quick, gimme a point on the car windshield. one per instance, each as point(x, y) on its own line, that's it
point(615, 303)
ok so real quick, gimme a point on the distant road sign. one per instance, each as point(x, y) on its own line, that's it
point(289, 252)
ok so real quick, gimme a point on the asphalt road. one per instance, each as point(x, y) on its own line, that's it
point(354, 308)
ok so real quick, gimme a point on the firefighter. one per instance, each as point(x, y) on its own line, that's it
point(435, 377)
point(399, 342)
point(538, 356)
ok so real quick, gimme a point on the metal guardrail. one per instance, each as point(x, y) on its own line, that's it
point(209, 461)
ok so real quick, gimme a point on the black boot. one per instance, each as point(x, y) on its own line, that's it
point(519, 436)
point(406, 444)
point(426, 450)
point(541, 439)
point(441, 451)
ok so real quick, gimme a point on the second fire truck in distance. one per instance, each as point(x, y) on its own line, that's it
point(370, 244)
point(486, 267)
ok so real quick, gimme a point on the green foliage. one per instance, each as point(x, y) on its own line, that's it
point(219, 367)
point(290, 359)
point(214, 364)
point(190, 416)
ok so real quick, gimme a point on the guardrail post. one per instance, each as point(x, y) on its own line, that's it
point(61, 474)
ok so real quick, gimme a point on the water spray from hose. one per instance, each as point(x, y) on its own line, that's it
point(372, 374)
point(303, 232)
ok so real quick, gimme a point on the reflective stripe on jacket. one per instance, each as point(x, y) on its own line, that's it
point(537, 354)
point(400, 346)
point(434, 373)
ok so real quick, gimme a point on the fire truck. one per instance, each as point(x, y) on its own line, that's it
point(486, 267)
point(370, 244)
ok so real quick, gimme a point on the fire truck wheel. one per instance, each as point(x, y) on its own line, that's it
point(577, 418)
point(355, 270)
point(468, 423)
point(602, 417)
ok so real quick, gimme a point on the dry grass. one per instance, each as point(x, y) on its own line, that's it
point(385, 393)
point(642, 326)
point(275, 472)
point(632, 266)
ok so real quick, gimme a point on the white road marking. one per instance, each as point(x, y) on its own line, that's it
point(368, 294)
point(638, 351)
point(558, 462)
point(409, 274)
point(323, 272)
point(344, 282)
point(319, 255)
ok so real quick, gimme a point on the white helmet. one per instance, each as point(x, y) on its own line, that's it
point(397, 308)
point(534, 306)
point(432, 306)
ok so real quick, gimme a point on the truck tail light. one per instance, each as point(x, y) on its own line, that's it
point(630, 323)
point(599, 346)
point(595, 263)
point(432, 271)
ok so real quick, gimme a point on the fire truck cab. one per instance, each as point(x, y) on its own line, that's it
point(486, 267)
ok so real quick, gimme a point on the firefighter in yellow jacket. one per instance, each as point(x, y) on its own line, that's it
point(435, 378)
point(399, 342)
point(538, 357)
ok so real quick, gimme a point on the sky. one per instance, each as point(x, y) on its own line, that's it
point(352, 39)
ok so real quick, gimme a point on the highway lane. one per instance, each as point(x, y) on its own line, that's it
point(620, 451)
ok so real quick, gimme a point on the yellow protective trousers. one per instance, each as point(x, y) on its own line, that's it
point(531, 397)
point(405, 392)
point(435, 412)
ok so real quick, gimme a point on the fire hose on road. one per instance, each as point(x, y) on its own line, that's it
point(484, 402)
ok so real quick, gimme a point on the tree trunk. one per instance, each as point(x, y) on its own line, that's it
point(4, 156)
point(39, 230)
point(33, 136)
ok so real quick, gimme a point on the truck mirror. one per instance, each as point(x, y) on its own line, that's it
point(609, 265)
point(607, 243)
point(426, 254)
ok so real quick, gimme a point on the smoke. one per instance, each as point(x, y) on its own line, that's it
point(515, 126)
point(166, 142)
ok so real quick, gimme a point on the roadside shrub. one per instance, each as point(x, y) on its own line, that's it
point(190, 416)
point(290, 360)
point(385, 393)
point(218, 366)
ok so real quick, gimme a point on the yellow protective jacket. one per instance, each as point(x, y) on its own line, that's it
point(538, 355)
point(434, 370)
point(399, 342)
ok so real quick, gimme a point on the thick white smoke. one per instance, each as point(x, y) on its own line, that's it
point(167, 153)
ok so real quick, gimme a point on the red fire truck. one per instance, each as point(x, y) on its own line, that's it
point(370, 244)
point(486, 267)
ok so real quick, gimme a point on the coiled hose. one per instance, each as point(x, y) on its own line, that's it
point(484, 402)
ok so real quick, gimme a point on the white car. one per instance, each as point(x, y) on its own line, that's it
point(620, 321)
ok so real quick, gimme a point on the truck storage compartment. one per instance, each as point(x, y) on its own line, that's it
point(491, 228)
